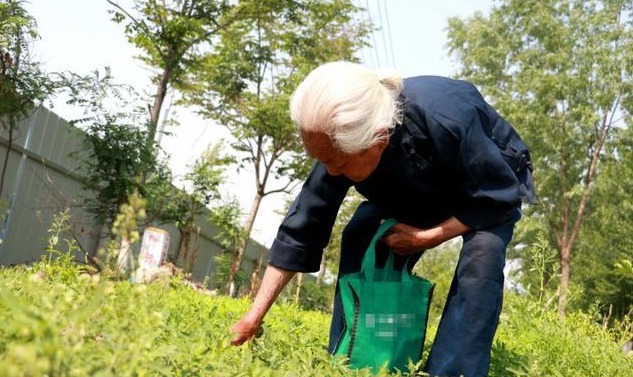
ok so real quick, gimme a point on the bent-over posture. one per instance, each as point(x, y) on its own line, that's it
point(428, 151)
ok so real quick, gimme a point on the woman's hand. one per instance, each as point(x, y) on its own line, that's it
point(275, 279)
point(245, 329)
point(404, 239)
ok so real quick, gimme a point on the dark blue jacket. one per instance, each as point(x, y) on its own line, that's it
point(453, 155)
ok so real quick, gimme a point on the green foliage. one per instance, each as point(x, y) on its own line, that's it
point(117, 257)
point(22, 82)
point(311, 295)
point(201, 189)
point(332, 252)
point(125, 223)
point(226, 217)
point(245, 82)
point(60, 262)
point(172, 33)
point(206, 174)
point(624, 269)
point(172, 36)
point(315, 297)
point(539, 271)
point(202, 183)
point(118, 156)
point(561, 72)
point(606, 242)
point(120, 162)
point(222, 272)
point(532, 342)
point(99, 328)
point(89, 326)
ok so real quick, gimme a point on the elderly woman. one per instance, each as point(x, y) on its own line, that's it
point(428, 151)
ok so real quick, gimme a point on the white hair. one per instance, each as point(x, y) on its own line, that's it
point(348, 102)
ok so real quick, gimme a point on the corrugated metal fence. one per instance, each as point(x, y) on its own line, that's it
point(41, 180)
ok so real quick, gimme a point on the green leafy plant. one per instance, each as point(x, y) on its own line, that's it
point(227, 217)
point(312, 296)
point(536, 342)
point(540, 270)
point(23, 83)
point(93, 326)
point(60, 260)
point(117, 255)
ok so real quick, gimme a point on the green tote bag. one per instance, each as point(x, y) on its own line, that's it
point(386, 313)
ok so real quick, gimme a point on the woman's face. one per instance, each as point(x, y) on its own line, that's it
point(356, 166)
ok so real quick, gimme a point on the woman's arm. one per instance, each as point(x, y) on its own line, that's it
point(275, 279)
point(404, 239)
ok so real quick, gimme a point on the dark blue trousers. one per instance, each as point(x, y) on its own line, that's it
point(463, 341)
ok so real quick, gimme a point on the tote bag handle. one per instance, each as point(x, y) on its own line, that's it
point(369, 261)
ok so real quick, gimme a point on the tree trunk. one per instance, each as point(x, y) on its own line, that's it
point(181, 253)
point(298, 291)
point(6, 159)
point(568, 238)
point(238, 255)
point(321, 274)
point(154, 112)
point(236, 262)
point(159, 98)
point(95, 238)
point(196, 243)
point(564, 281)
point(255, 276)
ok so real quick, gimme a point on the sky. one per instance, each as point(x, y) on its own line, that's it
point(78, 36)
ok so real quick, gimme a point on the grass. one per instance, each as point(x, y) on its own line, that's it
point(68, 324)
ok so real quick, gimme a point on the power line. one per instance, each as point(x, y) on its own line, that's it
point(382, 33)
point(361, 18)
point(373, 57)
point(373, 34)
point(393, 58)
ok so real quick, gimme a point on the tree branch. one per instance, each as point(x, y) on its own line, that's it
point(593, 166)
point(127, 14)
point(282, 189)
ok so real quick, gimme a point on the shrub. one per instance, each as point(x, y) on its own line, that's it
point(98, 327)
point(535, 342)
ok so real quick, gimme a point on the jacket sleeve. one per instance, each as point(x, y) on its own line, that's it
point(490, 189)
point(306, 229)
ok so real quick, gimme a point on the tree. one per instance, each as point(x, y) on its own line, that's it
point(23, 84)
point(115, 134)
point(246, 83)
point(181, 207)
point(330, 257)
point(332, 253)
point(173, 36)
point(118, 154)
point(227, 217)
point(560, 70)
point(605, 246)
